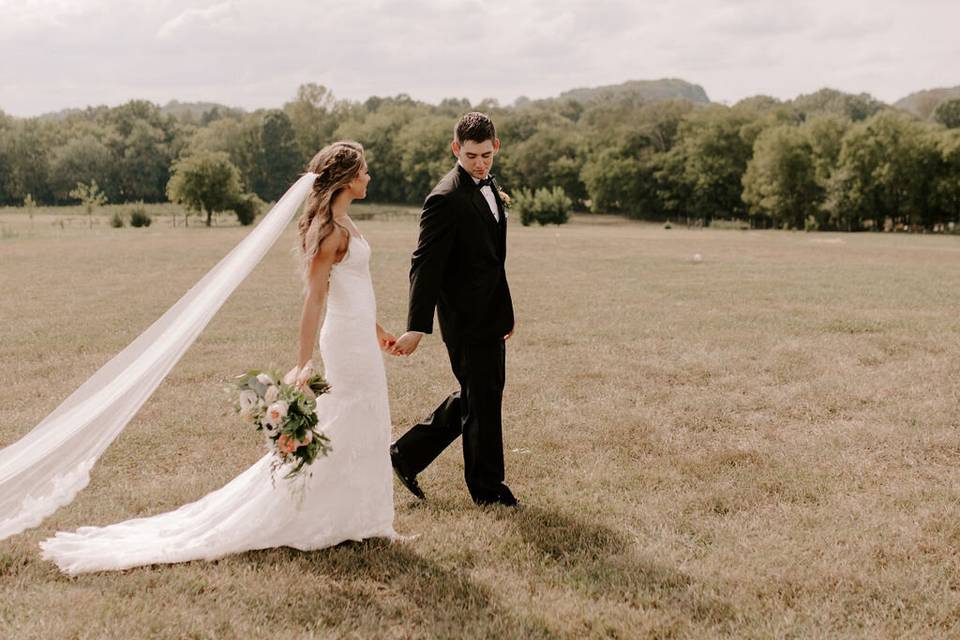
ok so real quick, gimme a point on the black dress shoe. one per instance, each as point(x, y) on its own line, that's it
point(407, 479)
point(504, 498)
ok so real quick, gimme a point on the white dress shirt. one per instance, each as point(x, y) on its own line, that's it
point(487, 192)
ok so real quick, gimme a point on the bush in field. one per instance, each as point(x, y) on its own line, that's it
point(544, 206)
point(247, 207)
point(139, 217)
point(116, 221)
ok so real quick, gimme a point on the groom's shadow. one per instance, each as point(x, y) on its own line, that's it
point(606, 564)
point(387, 581)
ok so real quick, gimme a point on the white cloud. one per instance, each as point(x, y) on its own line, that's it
point(253, 53)
point(196, 22)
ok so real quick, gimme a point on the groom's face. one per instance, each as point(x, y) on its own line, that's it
point(476, 157)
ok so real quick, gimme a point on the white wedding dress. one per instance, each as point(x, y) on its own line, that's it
point(347, 495)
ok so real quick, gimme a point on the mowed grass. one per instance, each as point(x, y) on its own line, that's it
point(760, 444)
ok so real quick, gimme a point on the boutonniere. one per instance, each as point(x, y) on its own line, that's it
point(504, 197)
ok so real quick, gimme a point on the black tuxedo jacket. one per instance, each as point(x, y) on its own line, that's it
point(458, 266)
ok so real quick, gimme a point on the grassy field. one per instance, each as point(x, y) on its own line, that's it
point(762, 444)
point(39, 222)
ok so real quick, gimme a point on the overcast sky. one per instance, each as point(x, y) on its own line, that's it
point(56, 54)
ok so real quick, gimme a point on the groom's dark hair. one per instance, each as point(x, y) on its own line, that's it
point(474, 126)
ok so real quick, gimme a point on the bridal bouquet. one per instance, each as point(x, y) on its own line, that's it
point(285, 413)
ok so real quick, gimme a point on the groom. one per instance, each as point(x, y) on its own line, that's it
point(458, 269)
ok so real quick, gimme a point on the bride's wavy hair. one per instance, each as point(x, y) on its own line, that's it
point(336, 165)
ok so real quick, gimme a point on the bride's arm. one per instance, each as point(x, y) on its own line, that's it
point(385, 338)
point(318, 280)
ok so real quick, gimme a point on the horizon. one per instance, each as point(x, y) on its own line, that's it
point(106, 52)
point(249, 109)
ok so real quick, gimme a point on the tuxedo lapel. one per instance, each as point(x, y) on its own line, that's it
point(483, 208)
point(501, 223)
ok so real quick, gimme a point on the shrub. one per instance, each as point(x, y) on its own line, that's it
point(544, 206)
point(247, 207)
point(741, 225)
point(116, 221)
point(139, 217)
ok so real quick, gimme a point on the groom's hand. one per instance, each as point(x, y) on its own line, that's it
point(406, 344)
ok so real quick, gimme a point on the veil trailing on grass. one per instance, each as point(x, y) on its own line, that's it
point(45, 469)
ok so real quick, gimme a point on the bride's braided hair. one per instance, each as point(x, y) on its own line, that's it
point(336, 165)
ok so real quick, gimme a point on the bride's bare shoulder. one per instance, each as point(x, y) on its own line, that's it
point(334, 247)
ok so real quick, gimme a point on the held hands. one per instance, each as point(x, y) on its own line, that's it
point(385, 339)
point(409, 341)
point(406, 344)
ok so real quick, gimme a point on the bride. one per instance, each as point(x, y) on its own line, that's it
point(347, 495)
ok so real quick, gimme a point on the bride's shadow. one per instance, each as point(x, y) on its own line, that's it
point(390, 581)
point(385, 580)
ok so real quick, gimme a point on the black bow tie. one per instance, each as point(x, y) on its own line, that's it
point(485, 182)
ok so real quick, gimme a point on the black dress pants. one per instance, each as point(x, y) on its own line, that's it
point(474, 413)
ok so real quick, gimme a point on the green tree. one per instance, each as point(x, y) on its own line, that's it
point(854, 107)
point(90, 197)
point(948, 181)
point(825, 135)
point(312, 114)
point(886, 169)
point(239, 138)
point(82, 159)
point(281, 159)
point(378, 132)
point(145, 165)
point(714, 157)
point(780, 180)
point(25, 147)
point(205, 181)
point(947, 113)
point(425, 156)
point(550, 157)
point(617, 181)
point(143, 140)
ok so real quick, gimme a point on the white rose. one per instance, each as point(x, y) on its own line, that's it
point(307, 439)
point(272, 394)
point(264, 379)
point(248, 400)
point(276, 412)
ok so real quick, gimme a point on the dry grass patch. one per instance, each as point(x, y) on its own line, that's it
point(761, 444)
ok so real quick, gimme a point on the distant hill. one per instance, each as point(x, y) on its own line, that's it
point(641, 91)
point(194, 111)
point(185, 111)
point(63, 114)
point(922, 103)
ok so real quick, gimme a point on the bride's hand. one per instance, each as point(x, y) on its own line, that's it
point(386, 339)
point(298, 376)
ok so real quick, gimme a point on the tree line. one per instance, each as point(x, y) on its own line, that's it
point(826, 160)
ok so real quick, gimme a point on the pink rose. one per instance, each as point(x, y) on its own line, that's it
point(286, 444)
point(276, 412)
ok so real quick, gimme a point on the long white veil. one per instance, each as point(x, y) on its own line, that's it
point(45, 469)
